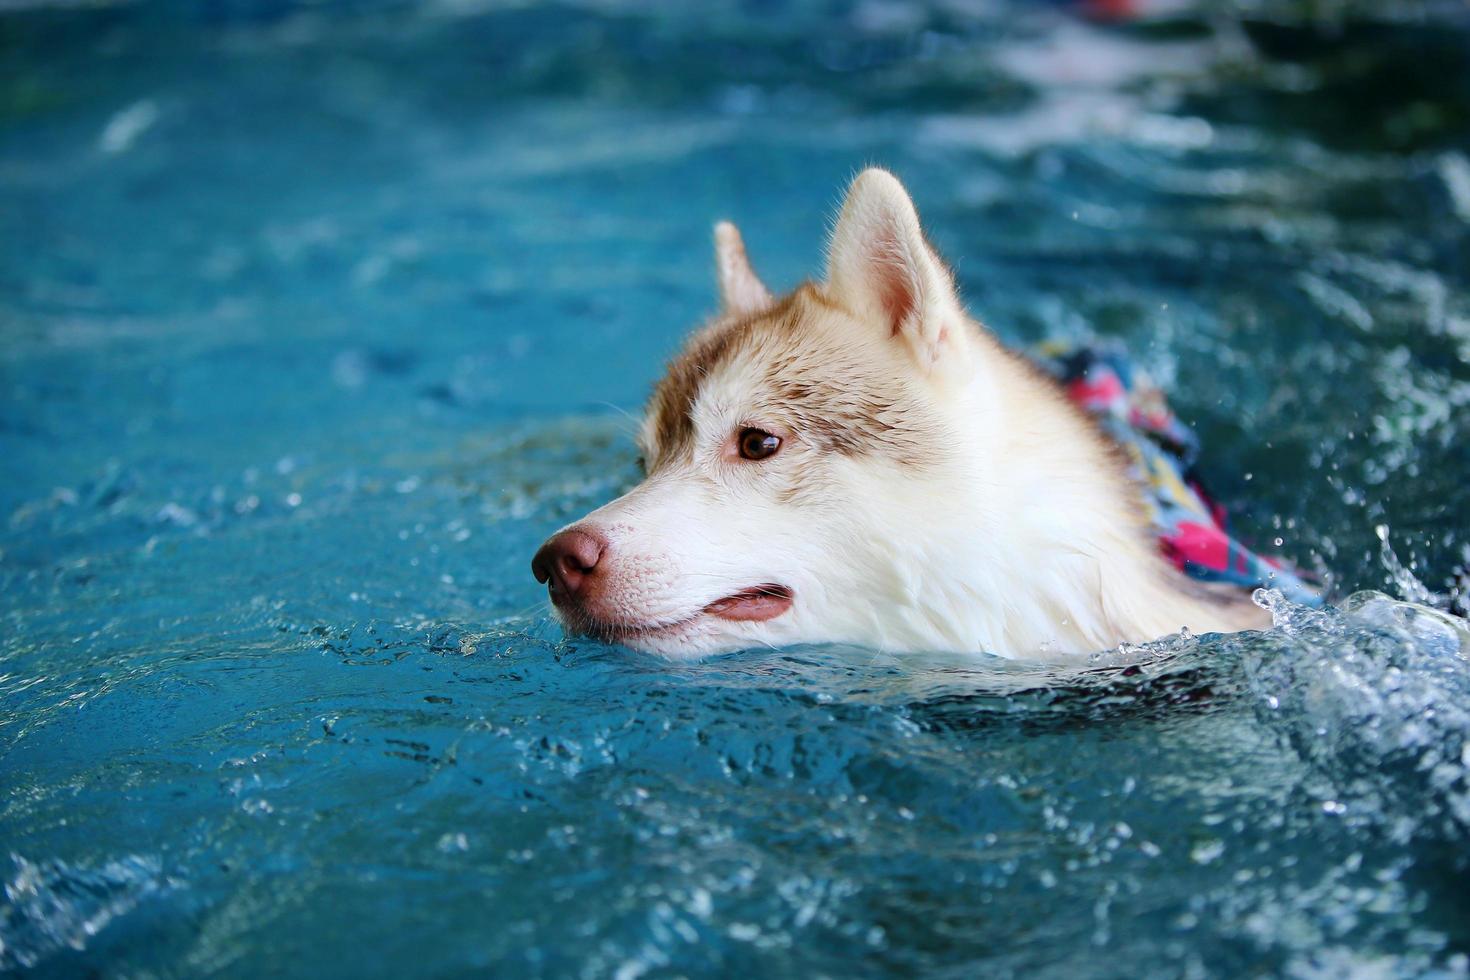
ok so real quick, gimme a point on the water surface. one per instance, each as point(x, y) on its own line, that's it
point(317, 320)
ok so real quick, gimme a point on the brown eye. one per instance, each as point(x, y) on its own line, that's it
point(758, 444)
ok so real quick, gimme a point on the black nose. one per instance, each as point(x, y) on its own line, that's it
point(567, 560)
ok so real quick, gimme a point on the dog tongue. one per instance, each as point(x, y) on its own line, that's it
point(753, 605)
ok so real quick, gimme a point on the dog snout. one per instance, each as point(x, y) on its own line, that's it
point(567, 561)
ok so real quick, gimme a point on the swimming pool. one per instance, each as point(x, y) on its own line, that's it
point(317, 319)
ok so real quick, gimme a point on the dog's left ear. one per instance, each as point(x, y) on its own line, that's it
point(880, 267)
point(741, 290)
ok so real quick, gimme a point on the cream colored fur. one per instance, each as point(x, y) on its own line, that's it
point(973, 509)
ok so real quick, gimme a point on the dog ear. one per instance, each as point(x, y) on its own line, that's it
point(880, 267)
point(741, 290)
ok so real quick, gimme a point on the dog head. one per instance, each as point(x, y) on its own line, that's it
point(811, 460)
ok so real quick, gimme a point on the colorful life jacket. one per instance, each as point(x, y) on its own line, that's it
point(1162, 453)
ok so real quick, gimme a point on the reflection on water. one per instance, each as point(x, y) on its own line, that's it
point(316, 320)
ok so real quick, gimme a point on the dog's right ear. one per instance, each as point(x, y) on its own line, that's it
point(741, 290)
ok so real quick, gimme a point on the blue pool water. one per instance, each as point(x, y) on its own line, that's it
point(314, 321)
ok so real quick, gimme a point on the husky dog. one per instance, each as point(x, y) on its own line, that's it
point(859, 461)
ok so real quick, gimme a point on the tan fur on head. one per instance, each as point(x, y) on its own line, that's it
point(931, 490)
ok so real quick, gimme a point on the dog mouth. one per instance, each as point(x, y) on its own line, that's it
point(757, 604)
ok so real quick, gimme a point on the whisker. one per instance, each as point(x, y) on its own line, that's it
point(635, 422)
